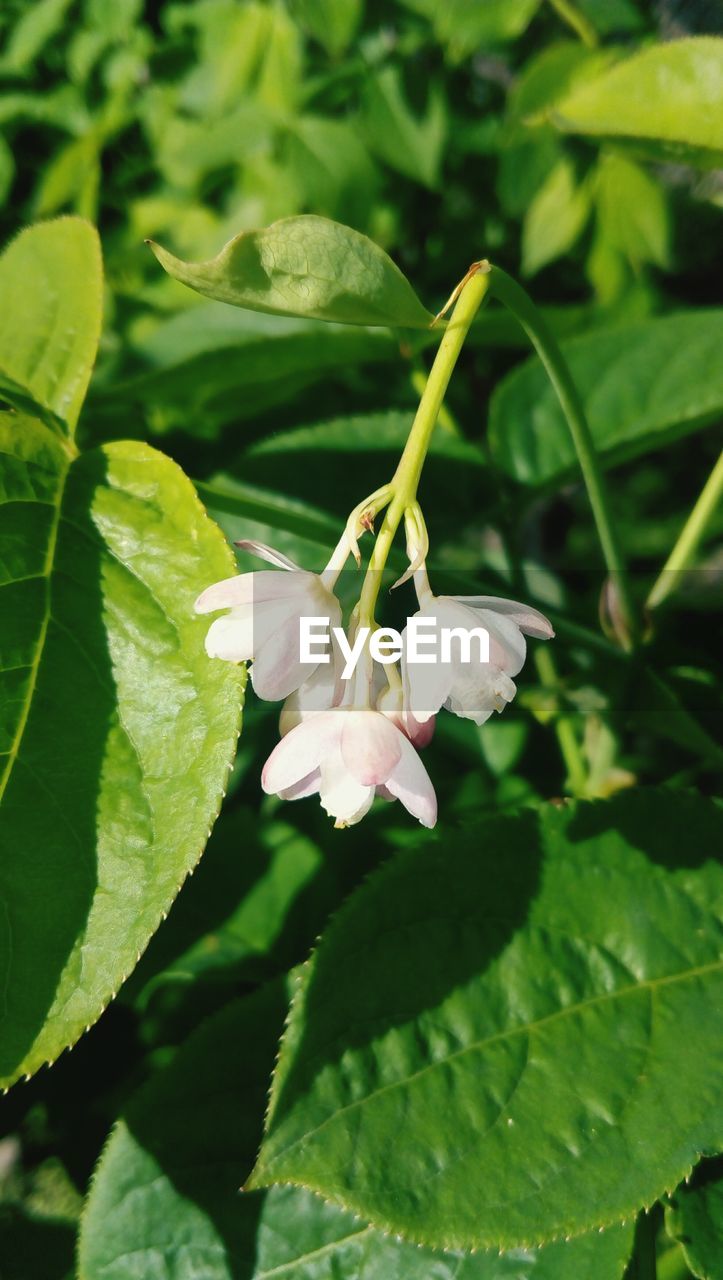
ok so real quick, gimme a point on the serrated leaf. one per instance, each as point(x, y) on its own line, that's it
point(555, 219)
point(116, 732)
point(309, 267)
point(670, 94)
point(167, 1188)
point(521, 1006)
point(49, 336)
point(695, 1218)
point(642, 385)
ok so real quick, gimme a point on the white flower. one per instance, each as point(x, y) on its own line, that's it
point(476, 688)
point(391, 704)
point(343, 755)
point(264, 620)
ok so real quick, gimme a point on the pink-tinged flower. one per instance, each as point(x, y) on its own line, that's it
point(343, 755)
point(391, 704)
point(263, 622)
point(475, 688)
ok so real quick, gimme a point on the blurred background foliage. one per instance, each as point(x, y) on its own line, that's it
point(431, 127)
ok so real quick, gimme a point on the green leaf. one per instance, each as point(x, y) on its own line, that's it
point(695, 1218)
point(669, 94)
point(333, 23)
point(117, 731)
point(211, 365)
point(37, 25)
point(165, 1194)
point(632, 212)
point(643, 385)
point(413, 145)
point(309, 267)
point(49, 336)
point(555, 219)
point(521, 1005)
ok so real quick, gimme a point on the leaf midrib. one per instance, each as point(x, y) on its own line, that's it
point(34, 666)
point(649, 984)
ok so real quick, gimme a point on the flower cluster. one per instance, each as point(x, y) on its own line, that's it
point(351, 740)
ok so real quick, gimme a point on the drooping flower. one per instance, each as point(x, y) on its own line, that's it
point(264, 615)
point(473, 688)
point(344, 755)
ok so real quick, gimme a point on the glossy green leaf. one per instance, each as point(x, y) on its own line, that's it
point(165, 1204)
point(695, 1218)
point(116, 733)
point(669, 94)
point(309, 267)
point(522, 1006)
point(643, 385)
point(411, 144)
point(49, 336)
point(555, 219)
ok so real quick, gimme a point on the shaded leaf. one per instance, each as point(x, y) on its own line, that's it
point(211, 365)
point(695, 1218)
point(544, 985)
point(167, 1188)
point(309, 267)
point(670, 94)
point(642, 385)
point(116, 732)
point(49, 336)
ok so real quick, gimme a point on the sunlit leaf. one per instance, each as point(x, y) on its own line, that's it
point(670, 94)
point(116, 733)
point(521, 1005)
point(49, 335)
point(309, 267)
point(332, 22)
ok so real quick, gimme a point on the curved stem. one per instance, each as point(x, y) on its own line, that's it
point(404, 483)
point(514, 297)
point(683, 553)
point(577, 20)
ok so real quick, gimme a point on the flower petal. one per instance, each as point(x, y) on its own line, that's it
point(251, 588)
point(529, 620)
point(265, 552)
point(297, 755)
point(306, 787)
point(341, 794)
point(411, 784)
point(231, 637)
point(370, 746)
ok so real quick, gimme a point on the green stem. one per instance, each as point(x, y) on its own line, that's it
point(684, 551)
point(514, 297)
point(672, 1265)
point(564, 727)
point(579, 23)
point(406, 478)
